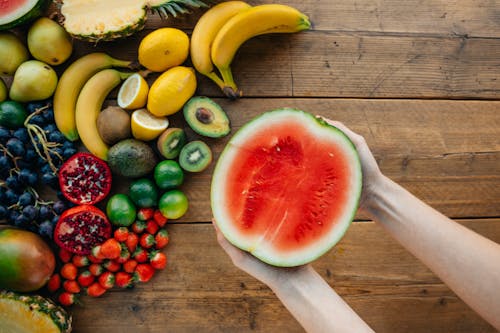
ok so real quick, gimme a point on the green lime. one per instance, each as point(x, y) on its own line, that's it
point(168, 174)
point(3, 90)
point(121, 210)
point(173, 204)
point(12, 114)
point(143, 193)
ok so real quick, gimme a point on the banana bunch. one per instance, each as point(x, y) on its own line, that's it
point(225, 27)
point(80, 94)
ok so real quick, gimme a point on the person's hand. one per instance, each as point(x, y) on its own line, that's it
point(270, 275)
point(371, 172)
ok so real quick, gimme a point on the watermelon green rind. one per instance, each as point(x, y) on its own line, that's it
point(31, 10)
point(263, 250)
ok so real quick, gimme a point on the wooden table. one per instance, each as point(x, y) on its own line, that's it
point(420, 80)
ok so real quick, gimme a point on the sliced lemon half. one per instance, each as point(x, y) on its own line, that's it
point(133, 92)
point(146, 126)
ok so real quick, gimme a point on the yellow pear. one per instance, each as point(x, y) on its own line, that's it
point(49, 42)
point(12, 53)
point(33, 81)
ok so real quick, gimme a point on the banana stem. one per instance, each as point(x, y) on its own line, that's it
point(134, 65)
point(214, 77)
point(230, 89)
point(124, 75)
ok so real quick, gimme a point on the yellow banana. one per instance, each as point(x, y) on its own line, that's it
point(71, 83)
point(204, 34)
point(258, 20)
point(89, 105)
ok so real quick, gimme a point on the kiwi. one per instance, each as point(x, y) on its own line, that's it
point(196, 156)
point(113, 124)
point(206, 117)
point(170, 142)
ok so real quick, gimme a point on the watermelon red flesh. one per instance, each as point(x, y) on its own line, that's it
point(290, 187)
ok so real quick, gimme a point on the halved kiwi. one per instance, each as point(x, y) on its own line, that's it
point(196, 156)
point(171, 142)
point(206, 117)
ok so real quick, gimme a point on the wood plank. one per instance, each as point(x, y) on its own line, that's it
point(201, 290)
point(471, 18)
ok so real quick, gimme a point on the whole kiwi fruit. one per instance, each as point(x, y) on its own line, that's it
point(113, 125)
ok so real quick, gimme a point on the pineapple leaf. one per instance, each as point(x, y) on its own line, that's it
point(175, 7)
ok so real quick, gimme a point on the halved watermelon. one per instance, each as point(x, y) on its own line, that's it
point(17, 12)
point(286, 187)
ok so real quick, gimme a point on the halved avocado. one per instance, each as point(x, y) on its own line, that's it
point(206, 117)
point(196, 156)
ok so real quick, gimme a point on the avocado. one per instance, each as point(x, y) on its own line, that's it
point(206, 117)
point(131, 158)
point(196, 156)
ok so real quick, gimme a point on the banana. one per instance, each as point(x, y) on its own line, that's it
point(70, 85)
point(89, 105)
point(204, 34)
point(258, 20)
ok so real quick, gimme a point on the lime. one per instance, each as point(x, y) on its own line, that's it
point(4, 92)
point(12, 114)
point(173, 204)
point(121, 210)
point(168, 174)
point(143, 193)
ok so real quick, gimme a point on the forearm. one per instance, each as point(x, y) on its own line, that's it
point(316, 306)
point(467, 262)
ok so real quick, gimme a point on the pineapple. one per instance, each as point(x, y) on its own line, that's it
point(104, 20)
point(31, 314)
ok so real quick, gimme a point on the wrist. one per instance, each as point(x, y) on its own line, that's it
point(374, 194)
point(290, 279)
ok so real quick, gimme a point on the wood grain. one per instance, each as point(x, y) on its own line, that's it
point(202, 291)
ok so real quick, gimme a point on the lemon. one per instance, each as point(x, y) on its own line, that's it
point(163, 49)
point(171, 91)
point(146, 126)
point(133, 92)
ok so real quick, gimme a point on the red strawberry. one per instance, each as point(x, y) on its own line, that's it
point(85, 279)
point(130, 265)
point(145, 214)
point(95, 290)
point(138, 226)
point(65, 255)
point(124, 255)
point(158, 260)
point(96, 269)
point(132, 241)
point(123, 280)
point(147, 241)
point(71, 286)
point(96, 252)
point(161, 239)
point(93, 259)
point(54, 283)
point(69, 271)
point(121, 234)
point(107, 280)
point(111, 265)
point(67, 299)
point(159, 218)
point(143, 272)
point(152, 227)
point(141, 255)
point(110, 249)
point(80, 261)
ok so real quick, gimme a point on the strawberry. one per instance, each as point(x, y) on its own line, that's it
point(96, 252)
point(158, 260)
point(132, 241)
point(95, 290)
point(141, 255)
point(93, 259)
point(69, 271)
point(152, 227)
point(96, 269)
point(80, 261)
point(130, 265)
point(71, 286)
point(111, 265)
point(161, 239)
point(138, 226)
point(54, 283)
point(65, 255)
point(85, 278)
point(110, 249)
point(107, 280)
point(67, 299)
point(145, 214)
point(121, 234)
point(124, 255)
point(147, 241)
point(159, 218)
point(143, 272)
point(123, 280)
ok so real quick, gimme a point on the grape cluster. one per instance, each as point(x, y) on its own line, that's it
point(30, 157)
